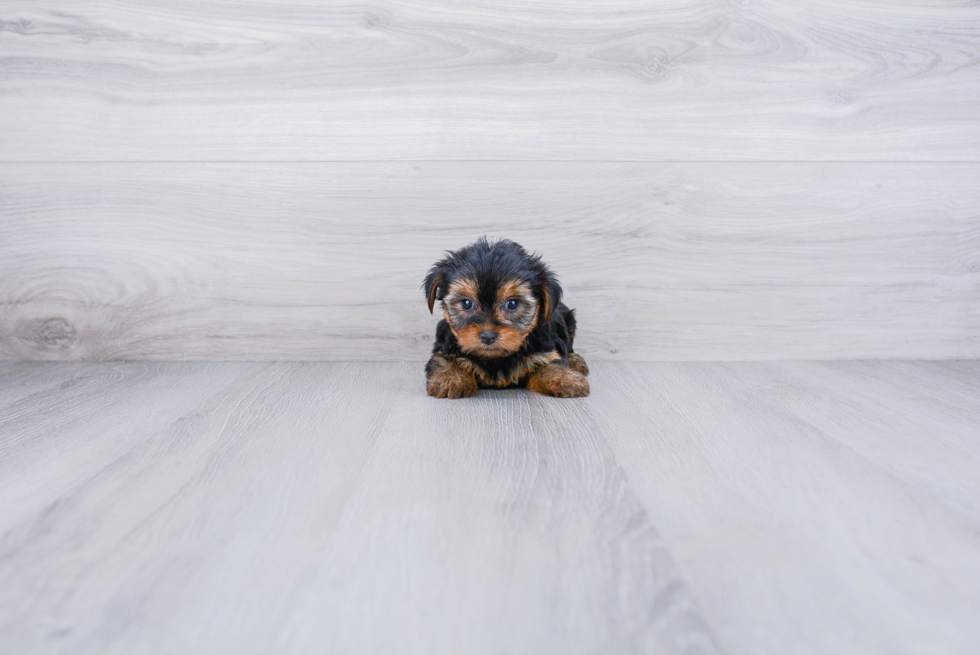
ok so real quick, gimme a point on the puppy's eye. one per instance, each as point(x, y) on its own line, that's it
point(466, 304)
point(512, 304)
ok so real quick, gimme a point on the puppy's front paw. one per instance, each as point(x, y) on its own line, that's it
point(560, 381)
point(451, 381)
point(450, 388)
point(577, 362)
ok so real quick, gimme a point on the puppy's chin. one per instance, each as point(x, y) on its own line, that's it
point(486, 352)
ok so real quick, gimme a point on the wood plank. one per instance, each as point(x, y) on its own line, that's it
point(324, 261)
point(930, 410)
point(250, 507)
point(812, 508)
point(256, 508)
point(538, 80)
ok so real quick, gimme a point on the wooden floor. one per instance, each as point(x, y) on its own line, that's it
point(333, 508)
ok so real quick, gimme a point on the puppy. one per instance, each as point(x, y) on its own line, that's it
point(503, 325)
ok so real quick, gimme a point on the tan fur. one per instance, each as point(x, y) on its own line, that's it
point(453, 379)
point(546, 308)
point(559, 380)
point(518, 374)
point(577, 362)
point(463, 288)
point(433, 291)
point(469, 339)
point(514, 289)
point(509, 339)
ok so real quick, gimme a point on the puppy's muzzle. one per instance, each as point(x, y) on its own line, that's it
point(488, 337)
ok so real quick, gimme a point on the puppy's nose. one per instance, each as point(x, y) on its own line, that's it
point(488, 337)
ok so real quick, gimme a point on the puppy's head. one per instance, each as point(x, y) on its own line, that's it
point(493, 295)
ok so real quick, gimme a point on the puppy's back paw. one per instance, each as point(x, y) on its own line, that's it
point(559, 381)
point(577, 362)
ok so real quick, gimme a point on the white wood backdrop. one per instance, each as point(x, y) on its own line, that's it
point(324, 261)
point(713, 180)
point(490, 79)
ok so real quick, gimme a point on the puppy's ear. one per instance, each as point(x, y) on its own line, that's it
point(431, 285)
point(550, 292)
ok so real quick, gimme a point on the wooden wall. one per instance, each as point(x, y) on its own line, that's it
point(712, 180)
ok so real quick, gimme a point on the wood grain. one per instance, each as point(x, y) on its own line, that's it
point(811, 507)
point(533, 80)
point(256, 508)
point(324, 261)
point(764, 508)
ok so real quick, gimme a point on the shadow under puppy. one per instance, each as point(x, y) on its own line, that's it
point(504, 325)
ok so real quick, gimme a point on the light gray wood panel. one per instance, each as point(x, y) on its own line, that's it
point(324, 261)
point(812, 508)
point(790, 507)
point(257, 508)
point(542, 79)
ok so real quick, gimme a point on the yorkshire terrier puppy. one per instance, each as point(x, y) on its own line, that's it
point(504, 325)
